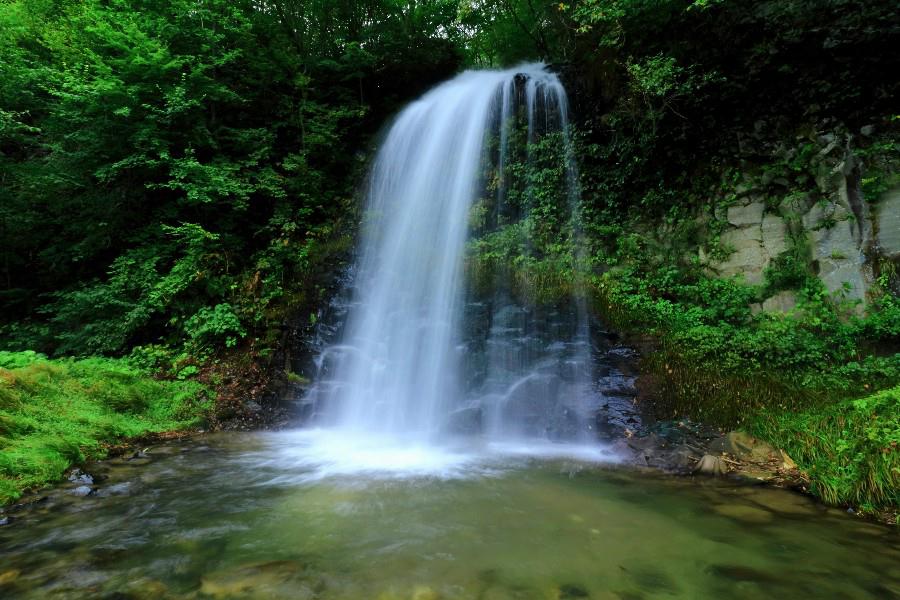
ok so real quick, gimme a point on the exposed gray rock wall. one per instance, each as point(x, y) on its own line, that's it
point(754, 237)
point(843, 235)
point(887, 219)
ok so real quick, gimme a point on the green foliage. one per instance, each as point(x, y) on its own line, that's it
point(850, 449)
point(524, 229)
point(54, 413)
point(162, 160)
point(212, 326)
point(708, 323)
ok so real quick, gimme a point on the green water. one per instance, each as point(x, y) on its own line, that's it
point(226, 517)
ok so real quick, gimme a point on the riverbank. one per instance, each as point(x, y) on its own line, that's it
point(817, 382)
point(56, 413)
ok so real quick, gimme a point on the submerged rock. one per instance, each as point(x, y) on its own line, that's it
point(783, 501)
point(738, 573)
point(118, 489)
point(424, 592)
point(570, 591)
point(147, 589)
point(275, 579)
point(741, 512)
point(7, 577)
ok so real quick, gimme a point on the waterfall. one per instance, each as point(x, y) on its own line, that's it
point(398, 369)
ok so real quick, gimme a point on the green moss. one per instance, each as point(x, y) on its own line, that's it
point(55, 413)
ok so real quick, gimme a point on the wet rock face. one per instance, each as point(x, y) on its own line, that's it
point(465, 421)
point(530, 370)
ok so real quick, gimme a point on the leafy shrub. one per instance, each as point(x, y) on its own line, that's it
point(214, 326)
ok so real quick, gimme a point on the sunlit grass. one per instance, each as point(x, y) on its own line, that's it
point(55, 413)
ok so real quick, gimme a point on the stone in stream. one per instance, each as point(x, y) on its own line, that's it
point(782, 501)
point(711, 465)
point(79, 476)
point(82, 490)
point(7, 577)
point(275, 579)
point(118, 489)
point(741, 512)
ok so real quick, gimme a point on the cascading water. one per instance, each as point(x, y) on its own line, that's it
point(402, 369)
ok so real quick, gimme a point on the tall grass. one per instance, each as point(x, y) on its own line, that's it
point(851, 448)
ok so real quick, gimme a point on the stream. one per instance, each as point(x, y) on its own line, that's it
point(288, 515)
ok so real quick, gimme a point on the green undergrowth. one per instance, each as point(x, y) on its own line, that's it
point(822, 345)
point(819, 382)
point(850, 448)
point(55, 413)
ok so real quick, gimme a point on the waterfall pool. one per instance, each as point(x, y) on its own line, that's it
point(293, 515)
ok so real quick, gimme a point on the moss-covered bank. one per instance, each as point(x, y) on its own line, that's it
point(55, 413)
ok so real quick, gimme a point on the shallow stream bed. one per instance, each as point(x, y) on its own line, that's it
point(270, 515)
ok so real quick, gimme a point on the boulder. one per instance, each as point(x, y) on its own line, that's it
point(745, 447)
point(787, 463)
point(711, 465)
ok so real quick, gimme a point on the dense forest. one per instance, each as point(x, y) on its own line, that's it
point(179, 191)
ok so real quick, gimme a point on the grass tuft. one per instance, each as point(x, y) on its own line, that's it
point(851, 448)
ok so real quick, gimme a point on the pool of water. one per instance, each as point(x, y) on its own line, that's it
point(285, 516)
